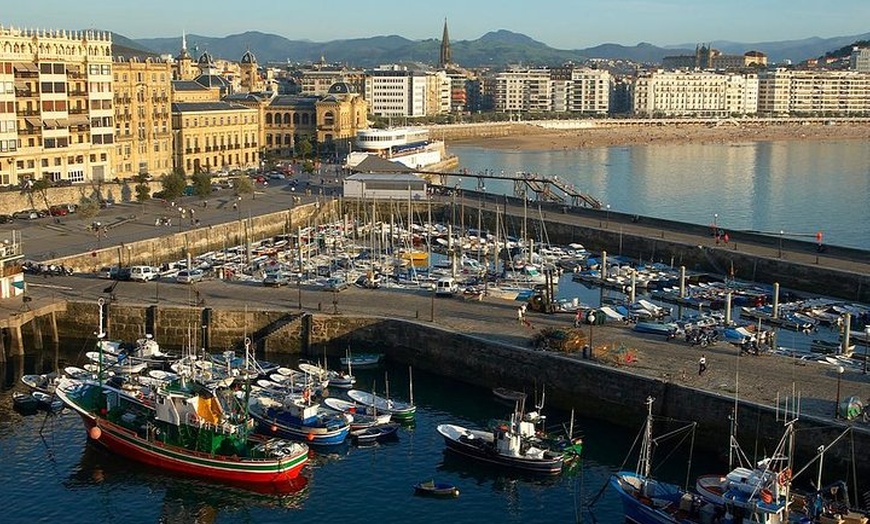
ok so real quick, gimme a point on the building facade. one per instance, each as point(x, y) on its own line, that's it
point(786, 92)
point(694, 94)
point(143, 123)
point(56, 106)
point(859, 60)
point(213, 136)
point(395, 91)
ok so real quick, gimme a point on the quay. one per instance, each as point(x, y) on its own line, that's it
point(480, 342)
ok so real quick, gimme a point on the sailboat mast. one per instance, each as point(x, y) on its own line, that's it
point(644, 461)
point(411, 384)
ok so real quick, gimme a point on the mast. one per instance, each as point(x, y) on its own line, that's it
point(645, 459)
point(411, 384)
point(101, 334)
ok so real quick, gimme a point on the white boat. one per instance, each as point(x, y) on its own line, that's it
point(363, 416)
point(362, 360)
point(329, 377)
point(398, 409)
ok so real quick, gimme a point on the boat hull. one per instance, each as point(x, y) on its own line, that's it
point(549, 466)
point(201, 465)
point(640, 510)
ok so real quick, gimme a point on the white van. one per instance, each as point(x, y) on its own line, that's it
point(446, 287)
point(142, 273)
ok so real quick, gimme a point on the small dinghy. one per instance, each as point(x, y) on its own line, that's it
point(24, 403)
point(431, 488)
point(375, 433)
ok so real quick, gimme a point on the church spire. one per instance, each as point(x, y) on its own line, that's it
point(445, 59)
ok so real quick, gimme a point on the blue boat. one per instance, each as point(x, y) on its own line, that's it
point(656, 328)
point(297, 418)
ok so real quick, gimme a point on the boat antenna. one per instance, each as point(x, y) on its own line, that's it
point(387, 386)
point(645, 458)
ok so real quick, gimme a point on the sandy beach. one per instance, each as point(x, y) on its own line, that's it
point(531, 137)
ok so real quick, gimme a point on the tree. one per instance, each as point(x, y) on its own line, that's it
point(304, 147)
point(173, 185)
point(243, 186)
point(201, 184)
point(143, 189)
point(88, 208)
point(39, 187)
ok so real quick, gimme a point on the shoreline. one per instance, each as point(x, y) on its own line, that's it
point(530, 137)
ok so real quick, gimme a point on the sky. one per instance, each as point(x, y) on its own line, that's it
point(563, 24)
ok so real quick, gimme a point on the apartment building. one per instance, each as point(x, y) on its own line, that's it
point(396, 91)
point(859, 60)
point(520, 90)
point(694, 93)
point(212, 136)
point(590, 91)
point(316, 79)
point(56, 107)
point(143, 124)
point(814, 93)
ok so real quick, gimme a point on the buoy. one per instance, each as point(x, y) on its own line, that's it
point(95, 433)
point(310, 437)
point(274, 428)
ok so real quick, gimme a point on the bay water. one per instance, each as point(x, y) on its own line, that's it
point(797, 187)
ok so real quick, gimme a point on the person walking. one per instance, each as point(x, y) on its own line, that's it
point(702, 365)
point(520, 315)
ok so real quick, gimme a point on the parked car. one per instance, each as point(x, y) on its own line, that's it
point(336, 283)
point(189, 276)
point(58, 211)
point(142, 273)
point(28, 214)
point(63, 182)
point(106, 203)
point(5, 219)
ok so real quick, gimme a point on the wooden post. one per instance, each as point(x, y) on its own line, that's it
point(55, 338)
point(37, 334)
point(17, 348)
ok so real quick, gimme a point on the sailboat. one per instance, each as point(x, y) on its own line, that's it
point(400, 411)
point(190, 430)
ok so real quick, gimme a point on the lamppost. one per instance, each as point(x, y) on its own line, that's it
point(238, 206)
point(781, 233)
point(837, 405)
point(608, 216)
point(591, 319)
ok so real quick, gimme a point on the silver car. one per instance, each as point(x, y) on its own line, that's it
point(189, 276)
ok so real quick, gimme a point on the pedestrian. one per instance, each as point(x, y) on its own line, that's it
point(702, 365)
point(520, 315)
point(578, 318)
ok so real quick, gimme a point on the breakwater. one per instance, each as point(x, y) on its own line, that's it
point(595, 390)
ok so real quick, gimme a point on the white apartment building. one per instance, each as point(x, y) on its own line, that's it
point(694, 93)
point(814, 93)
point(523, 91)
point(590, 91)
point(394, 91)
point(438, 88)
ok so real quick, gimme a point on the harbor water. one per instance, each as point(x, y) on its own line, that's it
point(797, 187)
point(51, 474)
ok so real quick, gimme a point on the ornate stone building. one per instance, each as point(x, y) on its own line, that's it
point(213, 136)
point(143, 127)
point(56, 105)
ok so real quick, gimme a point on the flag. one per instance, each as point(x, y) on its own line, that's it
point(19, 284)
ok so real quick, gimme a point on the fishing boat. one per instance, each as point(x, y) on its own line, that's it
point(187, 432)
point(398, 410)
point(503, 446)
point(509, 395)
point(375, 433)
point(296, 417)
point(330, 377)
point(431, 488)
point(45, 382)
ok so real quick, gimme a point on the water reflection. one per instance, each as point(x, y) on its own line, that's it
point(183, 500)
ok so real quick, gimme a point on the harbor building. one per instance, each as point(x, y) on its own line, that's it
point(408, 146)
point(143, 124)
point(57, 118)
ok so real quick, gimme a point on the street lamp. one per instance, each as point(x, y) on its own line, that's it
point(781, 233)
point(608, 216)
point(591, 319)
point(837, 405)
point(299, 287)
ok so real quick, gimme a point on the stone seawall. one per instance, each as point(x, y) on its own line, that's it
point(592, 389)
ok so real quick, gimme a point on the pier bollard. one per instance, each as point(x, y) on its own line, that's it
point(417, 313)
point(319, 306)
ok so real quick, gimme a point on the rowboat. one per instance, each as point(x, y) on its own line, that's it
point(363, 360)
point(436, 489)
point(374, 433)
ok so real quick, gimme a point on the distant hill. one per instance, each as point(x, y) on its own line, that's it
point(123, 46)
point(494, 49)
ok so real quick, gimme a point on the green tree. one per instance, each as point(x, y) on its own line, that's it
point(304, 147)
point(173, 185)
point(88, 208)
point(201, 184)
point(243, 186)
point(143, 189)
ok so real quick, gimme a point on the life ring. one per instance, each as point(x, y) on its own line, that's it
point(766, 496)
point(785, 476)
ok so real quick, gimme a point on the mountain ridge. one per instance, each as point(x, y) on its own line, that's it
point(494, 49)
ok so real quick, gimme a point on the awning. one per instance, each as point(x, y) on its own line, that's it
point(25, 67)
point(50, 122)
point(79, 120)
point(61, 122)
point(33, 121)
point(21, 82)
